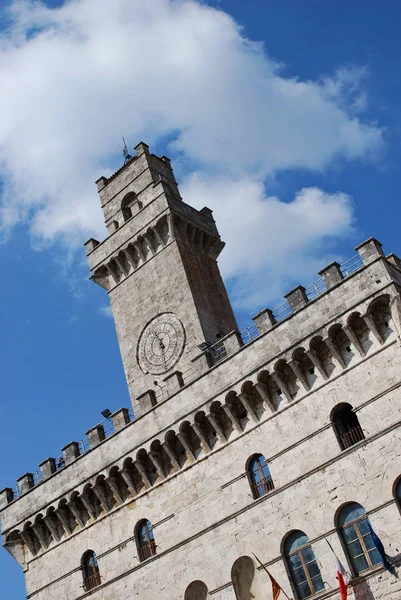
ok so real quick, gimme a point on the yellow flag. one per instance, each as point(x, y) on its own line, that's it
point(276, 589)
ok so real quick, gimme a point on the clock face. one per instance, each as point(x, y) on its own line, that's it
point(161, 344)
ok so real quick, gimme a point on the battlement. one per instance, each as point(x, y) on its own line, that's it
point(349, 314)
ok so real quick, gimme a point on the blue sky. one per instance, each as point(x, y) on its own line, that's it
point(295, 144)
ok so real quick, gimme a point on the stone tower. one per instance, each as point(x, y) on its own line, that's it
point(159, 267)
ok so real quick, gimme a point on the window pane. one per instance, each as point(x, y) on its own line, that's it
point(318, 584)
point(350, 513)
point(368, 541)
point(363, 526)
point(304, 590)
point(313, 569)
point(354, 549)
point(299, 575)
point(398, 490)
point(296, 540)
point(350, 534)
point(375, 556)
point(295, 561)
point(360, 564)
point(308, 554)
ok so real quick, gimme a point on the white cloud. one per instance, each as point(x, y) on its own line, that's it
point(105, 311)
point(269, 241)
point(80, 76)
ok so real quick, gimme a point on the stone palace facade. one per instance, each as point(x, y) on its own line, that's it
point(282, 441)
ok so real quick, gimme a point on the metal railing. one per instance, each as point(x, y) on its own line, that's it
point(351, 265)
point(262, 487)
point(37, 477)
point(92, 581)
point(315, 289)
point(351, 437)
point(249, 333)
point(147, 551)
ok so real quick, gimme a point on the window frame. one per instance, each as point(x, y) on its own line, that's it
point(366, 553)
point(90, 570)
point(147, 549)
point(299, 551)
point(266, 484)
point(357, 432)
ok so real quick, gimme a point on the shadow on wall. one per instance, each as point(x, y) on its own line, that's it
point(197, 590)
point(362, 591)
point(245, 579)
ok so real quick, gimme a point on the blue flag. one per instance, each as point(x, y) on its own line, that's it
point(380, 549)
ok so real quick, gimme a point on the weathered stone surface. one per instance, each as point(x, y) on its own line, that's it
point(181, 464)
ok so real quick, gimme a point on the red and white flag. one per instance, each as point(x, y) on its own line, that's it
point(343, 578)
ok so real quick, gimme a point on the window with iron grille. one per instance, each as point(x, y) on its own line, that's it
point(302, 564)
point(346, 425)
point(90, 569)
point(357, 538)
point(145, 540)
point(260, 479)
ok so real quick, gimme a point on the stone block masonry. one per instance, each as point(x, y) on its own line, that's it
point(169, 501)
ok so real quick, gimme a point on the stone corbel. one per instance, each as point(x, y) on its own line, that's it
point(171, 456)
point(262, 391)
point(372, 326)
point(188, 449)
point(65, 521)
point(101, 496)
point(317, 362)
point(232, 418)
point(126, 475)
point(351, 335)
point(112, 483)
point(245, 401)
point(89, 505)
point(29, 541)
point(217, 428)
point(76, 512)
point(295, 366)
point(280, 383)
point(121, 264)
point(52, 526)
point(202, 438)
point(158, 466)
point(143, 474)
point(335, 352)
point(40, 533)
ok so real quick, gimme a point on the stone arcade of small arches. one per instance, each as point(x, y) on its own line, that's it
point(288, 378)
point(150, 242)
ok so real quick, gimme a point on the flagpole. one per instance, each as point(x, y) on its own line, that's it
point(330, 546)
point(263, 567)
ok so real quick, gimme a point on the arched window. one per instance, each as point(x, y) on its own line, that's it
point(90, 570)
point(346, 425)
point(260, 479)
point(304, 570)
point(127, 205)
point(357, 538)
point(145, 540)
